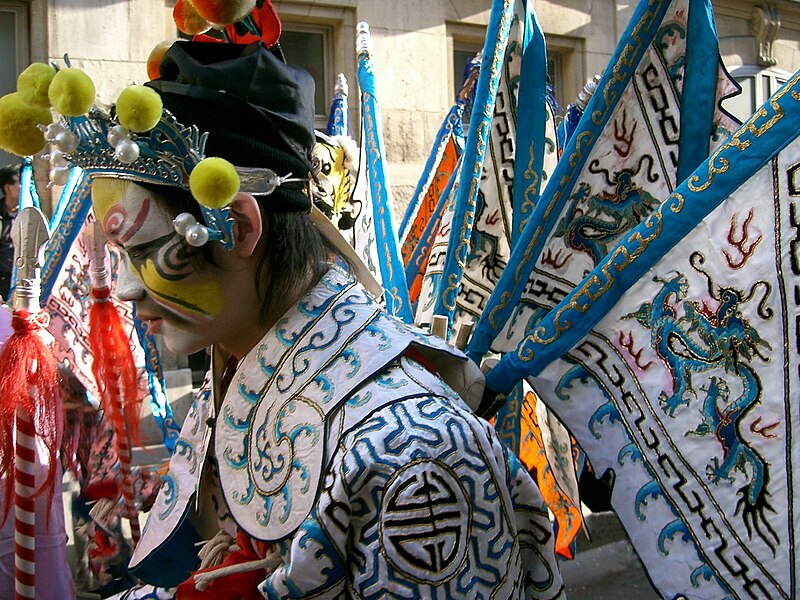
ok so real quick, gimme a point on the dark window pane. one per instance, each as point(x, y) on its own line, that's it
point(460, 60)
point(8, 50)
point(307, 50)
point(9, 45)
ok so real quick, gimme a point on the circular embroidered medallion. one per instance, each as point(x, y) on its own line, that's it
point(426, 523)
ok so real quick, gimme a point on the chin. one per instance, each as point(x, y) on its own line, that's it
point(184, 342)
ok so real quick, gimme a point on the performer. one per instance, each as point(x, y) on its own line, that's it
point(9, 185)
point(334, 443)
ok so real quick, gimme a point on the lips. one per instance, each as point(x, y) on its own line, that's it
point(153, 324)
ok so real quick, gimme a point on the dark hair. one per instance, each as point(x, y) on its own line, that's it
point(296, 255)
point(7, 175)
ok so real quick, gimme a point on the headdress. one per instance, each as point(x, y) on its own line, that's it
point(221, 118)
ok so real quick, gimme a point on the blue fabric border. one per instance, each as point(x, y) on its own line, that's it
point(699, 87)
point(78, 204)
point(392, 271)
point(750, 148)
point(531, 124)
point(494, 51)
point(627, 55)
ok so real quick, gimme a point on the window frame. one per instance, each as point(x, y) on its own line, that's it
point(328, 83)
point(757, 73)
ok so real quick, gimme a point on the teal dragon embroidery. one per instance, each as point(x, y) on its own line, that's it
point(593, 223)
point(705, 339)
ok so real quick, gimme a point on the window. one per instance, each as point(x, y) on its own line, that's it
point(463, 52)
point(309, 47)
point(14, 48)
point(555, 76)
point(758, 84)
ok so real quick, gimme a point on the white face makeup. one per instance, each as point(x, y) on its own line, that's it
point(157, 271)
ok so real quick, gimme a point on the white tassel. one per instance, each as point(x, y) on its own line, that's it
point(271, 562)
point(216, 549)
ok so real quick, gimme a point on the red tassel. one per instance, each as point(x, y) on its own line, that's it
point(113, 367)
point(29, 380)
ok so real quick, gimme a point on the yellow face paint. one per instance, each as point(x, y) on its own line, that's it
point(203, 298)
point(138, 220)
point(106, 193)
point(333, 170)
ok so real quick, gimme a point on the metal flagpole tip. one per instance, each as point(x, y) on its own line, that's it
point(363, 41)
point(341, 88)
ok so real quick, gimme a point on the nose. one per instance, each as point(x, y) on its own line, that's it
point(129, 286)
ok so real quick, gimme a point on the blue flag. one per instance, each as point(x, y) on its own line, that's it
point(388, 248)
point(338, 118)
point(626, 155)
point(502, 167)
point(676, 363)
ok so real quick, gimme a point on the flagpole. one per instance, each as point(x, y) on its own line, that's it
point(494, 52)
point(391, 266)
point(29, 379)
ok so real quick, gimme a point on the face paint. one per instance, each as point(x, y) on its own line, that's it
point(334, 175)
point(133, 218)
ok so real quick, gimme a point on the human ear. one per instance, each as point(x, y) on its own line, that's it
point(248, 225)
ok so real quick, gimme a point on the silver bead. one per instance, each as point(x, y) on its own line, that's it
point(182, 222)
point(271, 184)
point(67, 142)
point(196, 235)
point(127, 152)
point(52, 131)
point(59, 175)
point(116, 134)
point(57, 158)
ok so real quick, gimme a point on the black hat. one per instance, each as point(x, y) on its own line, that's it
point(258, 111)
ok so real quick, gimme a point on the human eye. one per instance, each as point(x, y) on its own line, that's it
point(140, 252)
point(137, 253)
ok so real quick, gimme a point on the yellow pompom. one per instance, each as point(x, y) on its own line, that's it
point(214, 182)
point(71, 92)
point(33, 82)
point(19, 126)
point(139, 108)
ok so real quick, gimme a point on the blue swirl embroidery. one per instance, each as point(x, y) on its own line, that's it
point(169, 493)
point(341, 315)
point(358, 400)
point(272, 459)
point(184, 449)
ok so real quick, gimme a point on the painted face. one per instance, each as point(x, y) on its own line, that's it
point(335, 175)
point(157, 272)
